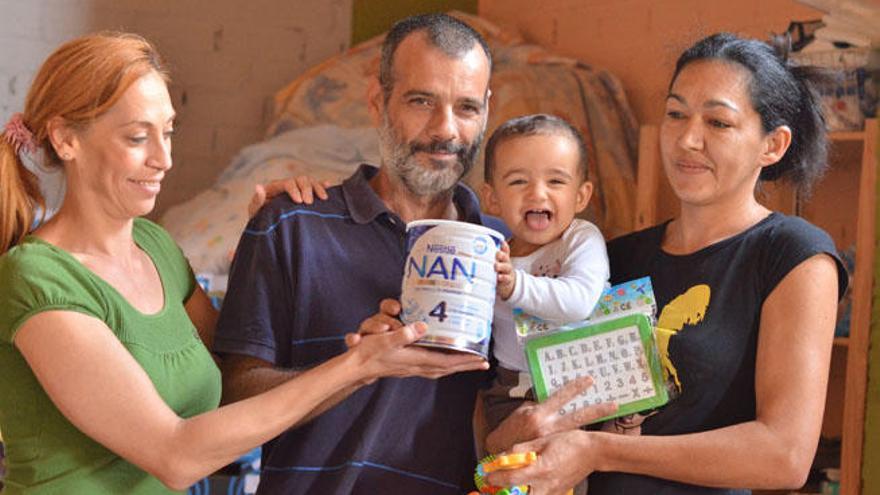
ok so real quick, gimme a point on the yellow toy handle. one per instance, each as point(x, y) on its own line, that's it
point(510, 461)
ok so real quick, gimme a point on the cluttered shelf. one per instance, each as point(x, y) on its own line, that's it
point(850, 186)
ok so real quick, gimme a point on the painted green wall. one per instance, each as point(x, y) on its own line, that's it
point(372, 17)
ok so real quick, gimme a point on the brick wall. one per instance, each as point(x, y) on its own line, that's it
point(227, 58)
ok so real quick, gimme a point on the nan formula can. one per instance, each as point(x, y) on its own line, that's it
point(449, 283)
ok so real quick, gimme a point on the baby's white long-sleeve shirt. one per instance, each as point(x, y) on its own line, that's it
point(560, 283)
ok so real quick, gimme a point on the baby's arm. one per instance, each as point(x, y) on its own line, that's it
point(574, 293)
point(506, 275)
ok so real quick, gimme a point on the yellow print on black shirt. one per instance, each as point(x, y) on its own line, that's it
point(686, 309)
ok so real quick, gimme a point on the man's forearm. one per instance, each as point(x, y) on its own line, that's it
point(257, 380)
point(254, 381)
point(330, 402)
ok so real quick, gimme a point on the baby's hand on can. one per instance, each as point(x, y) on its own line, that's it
point(506, 275)
point(385, 320)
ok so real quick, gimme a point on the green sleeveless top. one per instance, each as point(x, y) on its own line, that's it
point(45, 453)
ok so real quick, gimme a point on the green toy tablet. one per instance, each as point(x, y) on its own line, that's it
point(620, 354)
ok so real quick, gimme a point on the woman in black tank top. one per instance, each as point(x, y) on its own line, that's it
point(748, 296)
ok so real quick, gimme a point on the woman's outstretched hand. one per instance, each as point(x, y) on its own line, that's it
point(382, 345)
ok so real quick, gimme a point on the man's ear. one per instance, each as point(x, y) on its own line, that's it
point(490, 200)
point(375, 101)
point(63, 138)
point(584, 193)
point(776, 143)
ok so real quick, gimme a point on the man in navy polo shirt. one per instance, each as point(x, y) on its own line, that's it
point(305, 275)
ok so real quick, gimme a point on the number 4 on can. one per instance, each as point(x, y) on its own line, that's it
point(439, 311)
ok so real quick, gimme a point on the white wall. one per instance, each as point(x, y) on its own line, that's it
point(227, 59)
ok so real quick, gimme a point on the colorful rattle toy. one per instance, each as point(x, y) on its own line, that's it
point(494, 463)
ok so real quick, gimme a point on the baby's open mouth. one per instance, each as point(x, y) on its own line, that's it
point(538, 219)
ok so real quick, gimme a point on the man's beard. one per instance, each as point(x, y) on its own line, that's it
point(425, 179)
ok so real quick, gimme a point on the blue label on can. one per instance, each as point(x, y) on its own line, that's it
point(449, 283)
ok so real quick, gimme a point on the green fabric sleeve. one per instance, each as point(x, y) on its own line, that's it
point(33, 279)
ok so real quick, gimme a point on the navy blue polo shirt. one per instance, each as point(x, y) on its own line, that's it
point(305, 275)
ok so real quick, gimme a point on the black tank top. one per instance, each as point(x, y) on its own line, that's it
point(713, 299)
